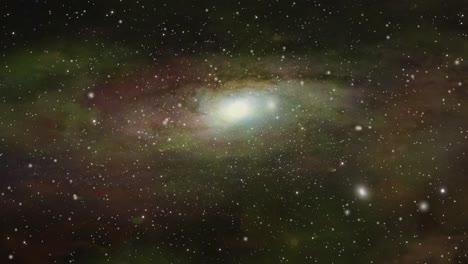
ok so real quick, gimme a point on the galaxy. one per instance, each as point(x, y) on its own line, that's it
point(260, 131)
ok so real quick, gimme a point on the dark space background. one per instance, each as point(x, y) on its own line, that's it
point(229, 131)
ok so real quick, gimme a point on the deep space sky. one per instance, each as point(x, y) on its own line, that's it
point(234, 131)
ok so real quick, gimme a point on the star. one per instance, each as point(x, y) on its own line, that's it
point(423, 206)
point(362, 192)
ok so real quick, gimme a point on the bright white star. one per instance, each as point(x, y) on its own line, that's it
point(362, 192)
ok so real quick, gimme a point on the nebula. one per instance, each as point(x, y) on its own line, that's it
point(236, 132)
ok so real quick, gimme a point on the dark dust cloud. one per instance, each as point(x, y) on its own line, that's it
point(259, 131)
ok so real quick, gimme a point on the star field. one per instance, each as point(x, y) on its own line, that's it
point(233, 132)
